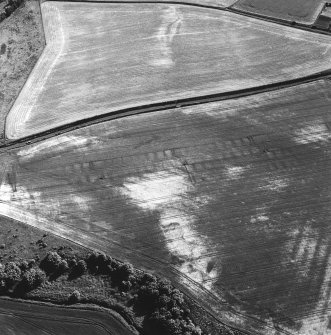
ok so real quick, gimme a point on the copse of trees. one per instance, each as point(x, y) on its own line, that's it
point(166, 314)
point(162, 305)
point(19, 278)
point(157, 299)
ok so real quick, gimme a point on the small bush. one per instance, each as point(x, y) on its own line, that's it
point(148, 296)
point(177, 297)
point(163, 301)
point(12, 274)
point(51, 262)
point(24, 265)
point(165, 287)
point(125, 286)
point(63, 266)
point(80, 268)
point(148, 278)
point(33, 278)
point(122, 273)
point(94, 260)
point(3, 285)
point(74, 297)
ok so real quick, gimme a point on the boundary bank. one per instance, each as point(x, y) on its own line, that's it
point(155, 107)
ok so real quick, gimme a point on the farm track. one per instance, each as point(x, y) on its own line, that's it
point(158, 107)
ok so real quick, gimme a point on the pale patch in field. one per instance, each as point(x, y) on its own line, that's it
point(168, 194)
point(57, 145)
point(260, 216)
point(169, 28)
point(21, 199)
point(212, 109)
point(156, 189)
point(234, 172)
point(276, 185)
point(304, 251)
point(80, 201)
point(312, 133)
point(309, 324)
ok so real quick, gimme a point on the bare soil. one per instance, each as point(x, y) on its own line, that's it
point(21, 43)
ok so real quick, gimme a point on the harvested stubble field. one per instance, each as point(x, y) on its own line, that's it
point(301, 11)
point(29, 318)
point(231, 198)
point(102, 57)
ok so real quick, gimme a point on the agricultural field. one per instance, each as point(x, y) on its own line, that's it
point(102, 57)
point(301, 11)
point(230, 200)
point(29, 318)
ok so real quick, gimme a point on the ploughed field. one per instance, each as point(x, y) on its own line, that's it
point(229, 198)
point(102, 57)
point(301, 11)
point(27, 319)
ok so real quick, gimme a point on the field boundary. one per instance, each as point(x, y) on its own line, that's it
point(231, 9)
point(156, 107)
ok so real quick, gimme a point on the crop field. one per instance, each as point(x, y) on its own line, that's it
point(104, 57)
point(27, 319)
point(229, 198)
point(301, 11)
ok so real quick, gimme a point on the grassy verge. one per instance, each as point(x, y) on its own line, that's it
point(21, 43)
point(43, 267)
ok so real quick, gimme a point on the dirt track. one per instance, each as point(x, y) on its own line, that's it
point(91, 70)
